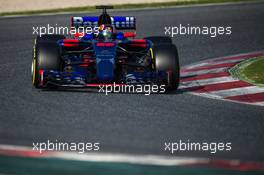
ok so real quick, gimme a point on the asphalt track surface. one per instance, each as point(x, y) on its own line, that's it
point(134, 123)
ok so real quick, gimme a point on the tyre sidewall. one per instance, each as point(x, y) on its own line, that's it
point(166, 59)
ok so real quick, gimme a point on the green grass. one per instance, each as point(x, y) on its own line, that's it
point(255, 71)
point(122, 6)
point(251, 71)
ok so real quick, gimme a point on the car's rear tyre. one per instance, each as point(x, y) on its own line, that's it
point(46, 56)
point(159, 39)
point(166, 59)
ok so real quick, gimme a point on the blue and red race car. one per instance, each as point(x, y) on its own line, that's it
point(105, 55)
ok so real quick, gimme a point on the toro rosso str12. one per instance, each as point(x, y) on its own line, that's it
point(108, 55)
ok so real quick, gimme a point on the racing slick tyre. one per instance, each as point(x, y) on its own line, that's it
point(165, 57)
point(159, 39)
point(46, 56)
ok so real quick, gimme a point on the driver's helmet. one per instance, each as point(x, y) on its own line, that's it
point(106, 32)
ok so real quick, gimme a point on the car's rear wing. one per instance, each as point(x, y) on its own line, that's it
point(119, 22)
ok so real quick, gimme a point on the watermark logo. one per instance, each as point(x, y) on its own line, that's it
point(80, 147)
point(212, 147)
point(62, 30)
point(146, 89)
point(212, 31)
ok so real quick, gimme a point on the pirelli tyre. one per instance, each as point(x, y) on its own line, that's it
point(46, 56)
point(165, 57)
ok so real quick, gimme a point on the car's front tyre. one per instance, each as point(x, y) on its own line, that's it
point(166, 59)
point(46, 56)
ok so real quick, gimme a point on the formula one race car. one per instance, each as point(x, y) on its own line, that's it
point(104, 55)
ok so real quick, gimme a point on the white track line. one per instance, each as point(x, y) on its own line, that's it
point(208, 81)
point(223, 99)
point(213, 62)
point(200, 72)
point(111, 157)
point(240, 55)
point(237, 91)
point(219, 59)
point(220, 94)
point(258, 103)
point(132, 159)
point(207, 95)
